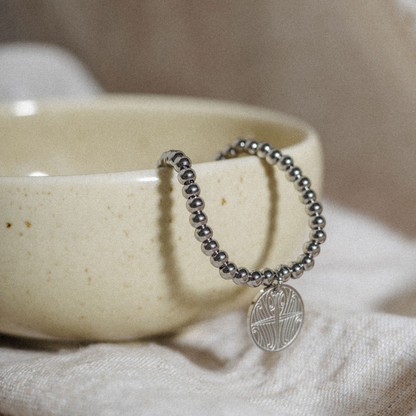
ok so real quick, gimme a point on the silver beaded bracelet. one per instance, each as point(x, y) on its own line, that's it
point(276, 314)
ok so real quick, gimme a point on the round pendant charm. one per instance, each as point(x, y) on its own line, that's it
point(275, 317)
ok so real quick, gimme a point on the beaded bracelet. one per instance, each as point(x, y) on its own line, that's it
point(276, 314)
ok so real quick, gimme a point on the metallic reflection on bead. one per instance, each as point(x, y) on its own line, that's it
point(308, 196)
point(256, 279)
point(282, 273)
point(263, 149)
point(293, 174)
point(191, 190)
point(307, 261)
point(317, 221)
point(185, 175)
point(174, 155)
point(219, 258)
point(209, 247)
point(169, 154)
point(239, 144)
point(312, 248)
point(203, 232)
point(182, 163)
point(314, 208)
point(165, 155)
point(229, 151)
point(228, 271)
point(285, 163)
point(296, 270)
point(273, 156)
point(219, 156)
point(198, 218)
point(302, 184)
point(242, 276)
point(163, 159)
point(318, 235)
point(251, 146)
point(268, 276)
point(195, 204)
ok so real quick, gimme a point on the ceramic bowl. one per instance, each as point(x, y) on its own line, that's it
point(96, 242)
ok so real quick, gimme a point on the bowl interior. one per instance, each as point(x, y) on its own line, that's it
point(115, 134)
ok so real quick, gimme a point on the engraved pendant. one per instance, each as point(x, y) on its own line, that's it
point(275, 317)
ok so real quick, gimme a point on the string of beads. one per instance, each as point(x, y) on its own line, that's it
point(204, 234)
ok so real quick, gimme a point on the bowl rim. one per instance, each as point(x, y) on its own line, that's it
point(153, 102)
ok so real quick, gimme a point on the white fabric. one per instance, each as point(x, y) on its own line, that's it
point(356, 353)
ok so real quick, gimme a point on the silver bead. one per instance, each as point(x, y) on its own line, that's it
point(198, 218)
point(312, 248)
point(228, 271)
point(239, 144)
point(229, 151)
point(165, 155)
point(242, 276)
point(251, 146)
point(307, 261)
point(314, 208)
point(308, 196)
point(203, 232)
point(170, 153)
point(293, 174)
point(282, 273)
point(195, 204)
point(219, 156)
point(268, 276)
point(285, 163)
point(317, 221)
point(174, 155)
point(273, 156)
point(256, 279)
point(263, 149)
point(191, 189)
point(186, 175)
point(219, 258)
point(163, 159)
point(318, 235)
point(209, 247)
point(302, 184)
point(296, 270)
point(182, 163)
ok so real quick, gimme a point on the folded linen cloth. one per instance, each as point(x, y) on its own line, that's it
point(355, 355)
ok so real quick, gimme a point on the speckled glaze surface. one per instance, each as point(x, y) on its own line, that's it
point(101, 249)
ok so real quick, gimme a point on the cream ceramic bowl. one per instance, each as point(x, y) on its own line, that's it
point(101, 249)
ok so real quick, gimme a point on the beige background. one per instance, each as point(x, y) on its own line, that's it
point(347, 67)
